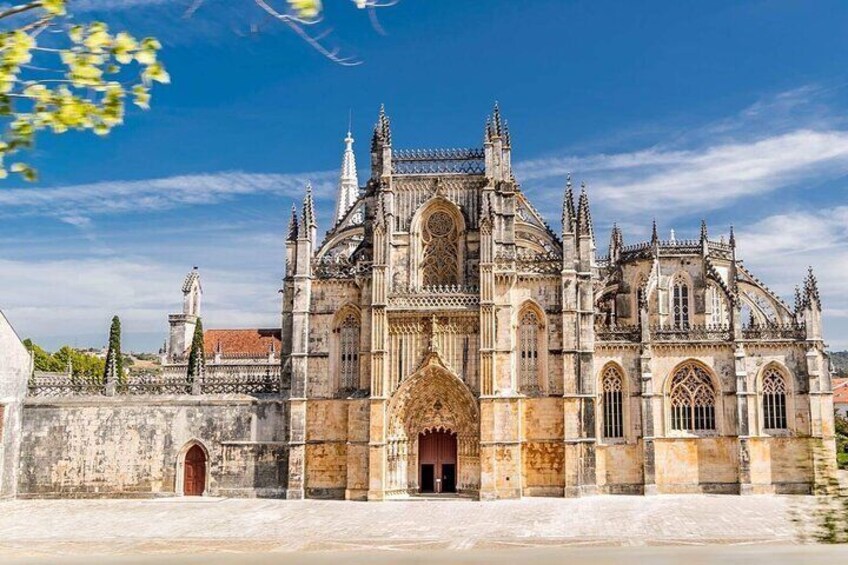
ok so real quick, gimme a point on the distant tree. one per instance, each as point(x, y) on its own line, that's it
point(42, 360)
point(196, 355)
point(74, 77)
point(113, 353)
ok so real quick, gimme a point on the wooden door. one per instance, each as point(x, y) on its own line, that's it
point(195, 472)
point(437, 451)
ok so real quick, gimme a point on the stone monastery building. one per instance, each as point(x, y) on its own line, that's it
point(442, 338)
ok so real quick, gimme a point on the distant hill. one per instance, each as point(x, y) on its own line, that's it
point(839, 359)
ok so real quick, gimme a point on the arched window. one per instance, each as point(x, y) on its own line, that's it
point(440, 263)
point(528, 351)
point(718, 314)
point(774, 400)
point(680, 302)
point(348, 337)
point(692, 399)
point(613, 403)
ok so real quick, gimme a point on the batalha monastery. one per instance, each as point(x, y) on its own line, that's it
point(442, 338)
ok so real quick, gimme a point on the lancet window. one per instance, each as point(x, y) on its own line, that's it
point(693, 400)
point(680, 302)
point(528, 351)
point(612, 386)
point(348, 336)
point(774, 400)
point(718, 313)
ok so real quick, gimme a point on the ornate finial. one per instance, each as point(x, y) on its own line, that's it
point(348, 190)
point(811, 288)
point(382, 130)
point(433, 346)
point(671, 236)
point(655, 238)
point(569, 218)
point(308, 221)
point(496, 120)
point(703, 230)
point(799, 303)
point(732, 238)
point(584, 216)
point(487, 132)
point(507, 139)
point(292, 236)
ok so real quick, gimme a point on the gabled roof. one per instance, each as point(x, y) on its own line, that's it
point(840, 391)
point(254, 342)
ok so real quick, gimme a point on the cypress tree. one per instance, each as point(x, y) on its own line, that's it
point(114, 358)
point(196, 355)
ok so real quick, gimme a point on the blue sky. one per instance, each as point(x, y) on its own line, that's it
point(730, 111)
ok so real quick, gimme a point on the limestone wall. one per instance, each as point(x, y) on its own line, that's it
point(543, 452)
point(132, 446)
point(15, 368)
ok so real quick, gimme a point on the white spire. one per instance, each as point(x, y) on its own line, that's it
point(348, 181)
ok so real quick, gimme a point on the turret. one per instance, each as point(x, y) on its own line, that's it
point(585, 231)
point(182, 325)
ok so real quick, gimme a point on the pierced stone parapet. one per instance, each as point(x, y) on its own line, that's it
point(437, 296)
point(438, 161)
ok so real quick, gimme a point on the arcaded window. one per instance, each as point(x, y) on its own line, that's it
point(349, 352)
point(680, 302)
point(528, 351)
point(440, 264)
point(613, 403)
point(717, 311)
point(774, 400)
point(693, 400)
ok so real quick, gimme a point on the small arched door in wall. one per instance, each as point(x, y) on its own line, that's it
point(195, 472)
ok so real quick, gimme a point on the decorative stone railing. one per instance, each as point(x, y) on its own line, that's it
point(440, 296)
point(692, 333)
point(631, 334)
point(433, 161)
point(217, 379)
point(790, 331)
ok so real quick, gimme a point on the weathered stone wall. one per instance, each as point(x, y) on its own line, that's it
point(543, 452)
point(15, 368)
point(132, 446)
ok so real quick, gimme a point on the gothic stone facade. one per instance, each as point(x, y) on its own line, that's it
point(441, 302)
point(441, 337)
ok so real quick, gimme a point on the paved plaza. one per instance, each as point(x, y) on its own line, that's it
point(48, 529)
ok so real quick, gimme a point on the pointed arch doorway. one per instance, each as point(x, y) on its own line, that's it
point(194, 481)
point(437, 461)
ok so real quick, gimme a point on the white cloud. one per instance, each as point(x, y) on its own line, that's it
point(661, 180)
point(77, 298)
point(75, 204)
point(779, 248)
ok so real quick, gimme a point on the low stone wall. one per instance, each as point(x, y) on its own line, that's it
point(133, 446)
point(15, 367)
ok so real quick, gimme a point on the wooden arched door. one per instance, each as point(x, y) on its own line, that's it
point(194, 479)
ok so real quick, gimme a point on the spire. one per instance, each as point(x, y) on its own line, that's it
point(584, 216)
point(507, 140)
point(568, 216)
point(292, 235)
point(732, 238)
point(655, 238)
point(487, 133)
point(703, 230)
point(497, 127)
point(799, 303)
point(616, 241)
point(348, 180)
point(811, 289)
point(382, 130)
point(308, 223)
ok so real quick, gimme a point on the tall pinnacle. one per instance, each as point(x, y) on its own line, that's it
point(584, 216)
point(569, 218)
point(308, 224)
point(292, 235)
point(348, 180)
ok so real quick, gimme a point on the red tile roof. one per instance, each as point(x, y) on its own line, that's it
point(840, 391)
point(242, 343)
